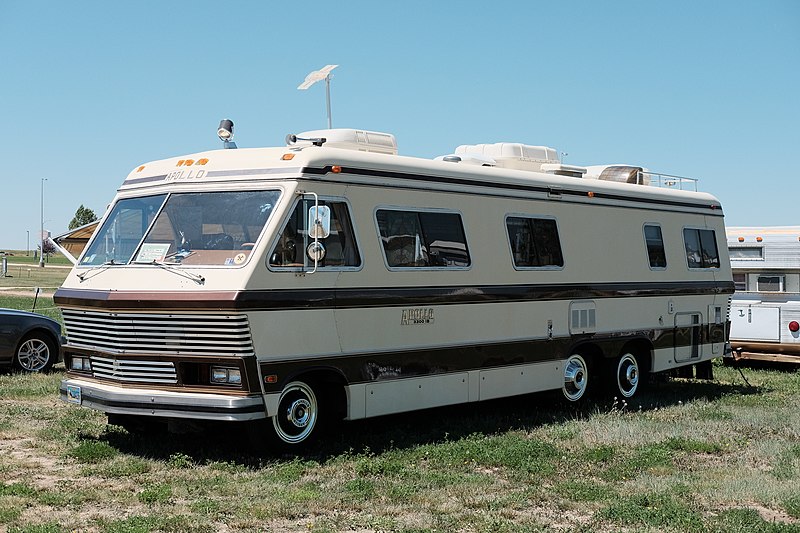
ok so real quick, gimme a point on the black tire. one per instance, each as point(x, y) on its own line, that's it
point(36, 353)
point(298, 422)
point(578, 377)
point(626, 371)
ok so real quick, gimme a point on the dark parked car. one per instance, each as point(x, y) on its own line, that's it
point(29, 342)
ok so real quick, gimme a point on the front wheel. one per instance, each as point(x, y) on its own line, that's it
point(297, 421)
point(36, 353)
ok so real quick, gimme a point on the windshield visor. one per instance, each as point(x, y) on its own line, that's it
point(208, 228)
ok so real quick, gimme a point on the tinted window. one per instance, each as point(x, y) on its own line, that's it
point(422, 239)
point(655, 246)
point(340, 245)
point(208, 228)
point(740, 281)
point(123, 230)
point(701, 248)
point(746, 252)
point(770, 283)
point(534, 242)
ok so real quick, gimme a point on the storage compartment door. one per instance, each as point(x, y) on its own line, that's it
point(755, 323)
point(687, 337)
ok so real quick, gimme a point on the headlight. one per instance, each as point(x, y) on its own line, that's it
point(81, 364)
point(226, 375)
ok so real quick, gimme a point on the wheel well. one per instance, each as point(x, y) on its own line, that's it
point(642, 349)
point(330, 384)
point(589, 351)
point(45, 333)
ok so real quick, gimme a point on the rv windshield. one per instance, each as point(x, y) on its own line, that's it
point(202, 228)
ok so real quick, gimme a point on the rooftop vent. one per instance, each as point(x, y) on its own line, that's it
point(619, 173)
point(350, 139)
point(511, 155)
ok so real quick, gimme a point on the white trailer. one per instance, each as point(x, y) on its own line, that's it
point(765, 311)
point(334, 278)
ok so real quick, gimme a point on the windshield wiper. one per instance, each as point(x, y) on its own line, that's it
point(197, 278)
point(104, 266)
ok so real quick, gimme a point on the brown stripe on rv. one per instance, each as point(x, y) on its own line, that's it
point(351, 298)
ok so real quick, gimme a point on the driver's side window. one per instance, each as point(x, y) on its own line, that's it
point(340, 246)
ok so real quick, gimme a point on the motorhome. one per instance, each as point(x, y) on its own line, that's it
point(765, 311)
point(332, 278)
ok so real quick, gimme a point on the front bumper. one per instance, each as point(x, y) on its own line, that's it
point(161, 403)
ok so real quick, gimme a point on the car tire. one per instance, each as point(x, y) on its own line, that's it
point(36, 353)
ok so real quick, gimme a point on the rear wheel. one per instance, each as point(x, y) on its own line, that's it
point(627, 375)
point(36, 353)
point(576, 377)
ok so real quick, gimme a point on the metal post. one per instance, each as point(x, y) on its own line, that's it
point(328, 98)
point(41, 235)
point(28, 245)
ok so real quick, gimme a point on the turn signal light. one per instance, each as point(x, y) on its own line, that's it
point(794, 327)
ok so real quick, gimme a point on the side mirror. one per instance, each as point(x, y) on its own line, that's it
point(319, 222)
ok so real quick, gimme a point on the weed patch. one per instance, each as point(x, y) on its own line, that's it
point(93, 451)
point(653, 511)
point(155, 493)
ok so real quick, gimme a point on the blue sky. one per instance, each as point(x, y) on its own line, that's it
point(709, 89)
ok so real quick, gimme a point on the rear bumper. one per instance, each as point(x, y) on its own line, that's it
point(159, 403)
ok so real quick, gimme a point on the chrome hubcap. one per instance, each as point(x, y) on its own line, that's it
point(576, 378)
point(627, 375)
point(298, 413)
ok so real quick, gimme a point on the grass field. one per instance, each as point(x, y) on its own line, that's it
point(696, 456)
point(17, 291)
point(686, 456)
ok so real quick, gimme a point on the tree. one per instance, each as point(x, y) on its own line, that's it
point(49, 249)
point(82, 217)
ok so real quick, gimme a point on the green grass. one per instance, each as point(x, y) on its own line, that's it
point(696, 456)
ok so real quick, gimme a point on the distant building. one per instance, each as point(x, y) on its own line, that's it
point(74, 241)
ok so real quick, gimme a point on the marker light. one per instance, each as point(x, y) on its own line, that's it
point(759, 239)
point(741, 239)
point(336, 169)
point(201, 161)
point(794, 326)
point(287, 157)
point(140, 168)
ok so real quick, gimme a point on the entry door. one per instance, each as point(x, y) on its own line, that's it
point(688, 336)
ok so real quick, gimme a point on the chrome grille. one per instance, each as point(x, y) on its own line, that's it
point(159, 333)
point(133, 371)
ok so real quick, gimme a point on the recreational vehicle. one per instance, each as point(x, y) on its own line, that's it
point(332, 278)
point(765, 311)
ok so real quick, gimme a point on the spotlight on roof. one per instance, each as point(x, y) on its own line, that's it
point(225, 133)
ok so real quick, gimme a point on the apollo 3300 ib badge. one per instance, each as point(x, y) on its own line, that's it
point(417, 315)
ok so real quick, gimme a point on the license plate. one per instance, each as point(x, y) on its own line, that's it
point(74, 394)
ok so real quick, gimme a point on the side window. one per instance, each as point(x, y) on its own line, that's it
point(422, 239)
point(740, 281)
point(701, 248)
point(655, 246)
point(534, 242)
point(340, 245)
